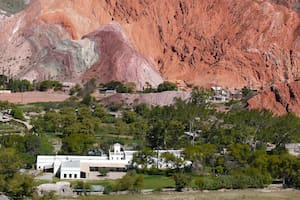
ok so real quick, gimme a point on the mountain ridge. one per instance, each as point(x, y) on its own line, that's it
point(230, 43)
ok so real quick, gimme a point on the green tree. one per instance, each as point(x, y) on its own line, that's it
point(166, 86)
point(172, 160)
point(77, 144)
point(181, 181)
point(285, 129)
point(143, 158)
point(131, 181)
point(103, 171)
point(88, 100)
point(240, 152)
point(20, 186)
point(129, 116)
point(200, 155)
point(99, 112)
point(10, 163)
point(17, 113)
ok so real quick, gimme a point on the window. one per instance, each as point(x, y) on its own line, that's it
point(70, 175)
point(75, 175)
point(65, 175)
point(94, 169)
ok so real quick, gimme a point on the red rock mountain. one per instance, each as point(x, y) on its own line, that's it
point(232, 43)
point(280, 99)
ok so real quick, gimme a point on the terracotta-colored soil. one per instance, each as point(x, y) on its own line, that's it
point(31, 97)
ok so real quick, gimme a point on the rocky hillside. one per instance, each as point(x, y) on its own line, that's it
point(280, 99)
point(232, 43)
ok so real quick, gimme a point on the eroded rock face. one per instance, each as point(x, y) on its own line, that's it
point(280, 99)
point(41, 46)
point(119, 60)
point(208, 42)
point(231, 43)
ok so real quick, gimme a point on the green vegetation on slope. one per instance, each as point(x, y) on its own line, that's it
point(12, 6)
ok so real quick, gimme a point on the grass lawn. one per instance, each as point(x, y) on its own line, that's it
point(150, 182)
point(212, 195)
point(158, 182)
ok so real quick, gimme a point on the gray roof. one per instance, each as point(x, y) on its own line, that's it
point(71, 164)
point(3, 197)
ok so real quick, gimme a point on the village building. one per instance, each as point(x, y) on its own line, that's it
point(220, 95)
point(110, 92)
point(66, 86)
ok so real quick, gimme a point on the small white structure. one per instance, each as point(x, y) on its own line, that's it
point(66, 86)
point(293, 148)
point(5, 91)
point(110, 91)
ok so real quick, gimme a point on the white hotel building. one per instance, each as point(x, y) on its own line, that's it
point(80, 167)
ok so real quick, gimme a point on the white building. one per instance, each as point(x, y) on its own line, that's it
point(220, 95)
point(77, 167)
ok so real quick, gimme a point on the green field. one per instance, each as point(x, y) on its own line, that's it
point(212, 195)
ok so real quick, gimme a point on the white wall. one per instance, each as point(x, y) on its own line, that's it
point(70, 173)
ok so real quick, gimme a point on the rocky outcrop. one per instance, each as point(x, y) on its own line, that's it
point(231, 43)
point(119, 60)
point(215, 42)
point(280, 99)
point(39, 46)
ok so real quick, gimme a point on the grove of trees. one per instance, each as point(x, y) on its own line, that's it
point(237, 149)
